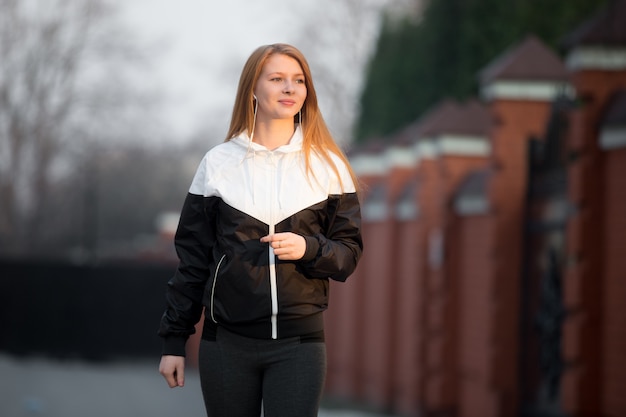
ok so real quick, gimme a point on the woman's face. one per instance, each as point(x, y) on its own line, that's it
point(280, 89)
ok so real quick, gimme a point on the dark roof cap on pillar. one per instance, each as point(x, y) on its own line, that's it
point(474, 118)
point(531, 59)
point(426, 124)
point(607, 27)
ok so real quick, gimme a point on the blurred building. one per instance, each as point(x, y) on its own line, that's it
point(494, 271)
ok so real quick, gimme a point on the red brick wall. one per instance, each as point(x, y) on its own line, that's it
point(476, 306)
point(442, 386)
point(439, 391)
point(517, 122)
point(344, 332)
point(407, 373)
point(614, 299)
point(421, 339)
point(585, 279)
point(377, 284)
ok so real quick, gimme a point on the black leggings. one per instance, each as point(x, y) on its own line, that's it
point(238, 374)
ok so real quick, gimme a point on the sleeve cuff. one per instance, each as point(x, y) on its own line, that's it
point(173, 345)
point(312, 247)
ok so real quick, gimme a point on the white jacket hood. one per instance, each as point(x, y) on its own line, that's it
point(270, 185)
point(294, 145)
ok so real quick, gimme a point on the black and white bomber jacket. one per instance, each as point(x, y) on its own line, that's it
point(241, 192)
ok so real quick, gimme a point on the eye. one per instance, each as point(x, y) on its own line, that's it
point(300, 81)
point(276, 79)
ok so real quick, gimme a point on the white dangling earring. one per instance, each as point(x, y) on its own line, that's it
point(256, 107)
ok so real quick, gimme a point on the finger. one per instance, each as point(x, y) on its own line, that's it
point(180, 376)
point(170, 378)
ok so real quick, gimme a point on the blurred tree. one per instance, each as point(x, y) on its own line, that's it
point(63, 88)
point(337, 39)
point(420, 61)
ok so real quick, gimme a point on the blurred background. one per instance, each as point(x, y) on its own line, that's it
point(490, 139)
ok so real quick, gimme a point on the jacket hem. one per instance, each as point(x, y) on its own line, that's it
point(286, 328)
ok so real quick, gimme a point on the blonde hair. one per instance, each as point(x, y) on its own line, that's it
point(316, 136)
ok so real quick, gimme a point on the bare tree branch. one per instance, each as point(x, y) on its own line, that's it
point(62, 85)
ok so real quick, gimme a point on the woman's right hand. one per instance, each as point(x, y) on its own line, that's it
point(173, 370)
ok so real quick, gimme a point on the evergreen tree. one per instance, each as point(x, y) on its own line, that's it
point(418, 63)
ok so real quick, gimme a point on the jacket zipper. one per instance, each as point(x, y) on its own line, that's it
point(217, 270)
point(272, 257)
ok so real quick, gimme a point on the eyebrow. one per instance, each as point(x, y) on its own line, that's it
point(282, 73)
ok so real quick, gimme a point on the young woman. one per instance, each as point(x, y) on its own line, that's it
point(271, 215)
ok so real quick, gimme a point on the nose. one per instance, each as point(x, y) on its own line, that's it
point(288, 87)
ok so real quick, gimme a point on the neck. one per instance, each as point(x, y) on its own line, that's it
point(274, 133)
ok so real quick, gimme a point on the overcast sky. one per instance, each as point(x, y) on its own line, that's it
point(202, 45)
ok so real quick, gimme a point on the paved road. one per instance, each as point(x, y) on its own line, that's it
point(40, 387)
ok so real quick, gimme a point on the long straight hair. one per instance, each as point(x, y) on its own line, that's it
point(316, 136)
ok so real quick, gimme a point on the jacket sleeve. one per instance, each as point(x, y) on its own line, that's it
point(336, 253)
point(193, 241)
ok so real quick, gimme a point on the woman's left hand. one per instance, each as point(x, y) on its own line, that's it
point(287, 246)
